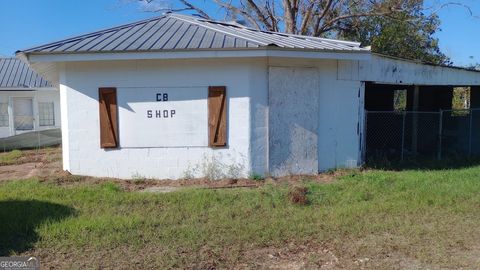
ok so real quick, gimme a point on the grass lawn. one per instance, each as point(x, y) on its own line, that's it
point(10, 157)
point(374, 219)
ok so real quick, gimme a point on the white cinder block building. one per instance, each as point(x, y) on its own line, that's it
point(27, 101)
point(177, 96)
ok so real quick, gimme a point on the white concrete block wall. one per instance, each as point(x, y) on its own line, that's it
point(339, 115)
point(248, 132)
point(79, 88)
point(259, 117)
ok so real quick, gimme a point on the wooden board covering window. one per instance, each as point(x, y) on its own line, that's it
point(217, 116)
point(108, 117)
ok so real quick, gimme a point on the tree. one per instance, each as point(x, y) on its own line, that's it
point(409, 34)
point(400, 28)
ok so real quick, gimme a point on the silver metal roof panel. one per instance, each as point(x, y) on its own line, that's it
point(16, 74)
point(179, 32)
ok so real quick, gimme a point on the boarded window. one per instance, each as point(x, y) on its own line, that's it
point(3, 114)
point(108, 117)
point(217, 116)
point(46, 115)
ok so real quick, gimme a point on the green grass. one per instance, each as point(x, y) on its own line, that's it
point(11, 157)
point(427, 216)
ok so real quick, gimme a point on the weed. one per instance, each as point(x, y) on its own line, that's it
point(138, 178)
point(235, 170)
point(256, 177)
point(331, 171)
point(190, 172)
point(110, 187)
point(298, 195)
point(212, 168)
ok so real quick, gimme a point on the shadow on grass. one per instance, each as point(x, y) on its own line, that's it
point(19, 220)
point(423, 163)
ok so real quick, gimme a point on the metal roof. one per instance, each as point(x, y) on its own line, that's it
point(181, 32)
point(16, 74)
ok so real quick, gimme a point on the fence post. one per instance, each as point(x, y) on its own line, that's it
point(470, 135)
point(440, 128)
point(403, 135)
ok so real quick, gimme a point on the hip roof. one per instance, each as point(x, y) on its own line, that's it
point(181, 32)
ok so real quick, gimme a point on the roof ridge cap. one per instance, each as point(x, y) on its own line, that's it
point(200, 23)
point(203, 20)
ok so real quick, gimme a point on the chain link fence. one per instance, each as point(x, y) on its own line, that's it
point(399, 135)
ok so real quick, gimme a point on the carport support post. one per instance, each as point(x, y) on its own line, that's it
point(440, 128)
point(470, 134)
point(416, 93)
point(403, 134)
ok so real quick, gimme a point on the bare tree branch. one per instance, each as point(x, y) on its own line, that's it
point(315, 17)
point(242, 12)
point(261, 16)
point(188, 6)
point(436, 9)
point(307, 16)
point(201, 12)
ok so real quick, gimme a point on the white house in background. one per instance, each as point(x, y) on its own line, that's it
point(27, 101)
point(177, 96)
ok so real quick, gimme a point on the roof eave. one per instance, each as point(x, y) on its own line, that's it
point(17, 88)
point(361, 54)
point(414, 61)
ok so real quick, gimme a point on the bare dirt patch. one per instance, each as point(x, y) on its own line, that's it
point(65, 179)
point(46, 164)
point(33, 163)
point(290, 257)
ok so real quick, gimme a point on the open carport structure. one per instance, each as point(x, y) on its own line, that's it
point(418, 110)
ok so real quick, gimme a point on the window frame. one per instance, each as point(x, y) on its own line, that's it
point(44, 121)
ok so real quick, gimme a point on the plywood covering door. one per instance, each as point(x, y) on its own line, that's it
point(293, 120)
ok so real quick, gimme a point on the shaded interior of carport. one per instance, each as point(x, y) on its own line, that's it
point(425, 126)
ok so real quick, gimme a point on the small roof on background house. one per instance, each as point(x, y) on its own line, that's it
point(180, 32)
point(15, 74)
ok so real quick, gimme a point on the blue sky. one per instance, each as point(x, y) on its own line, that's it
point(27, 23)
